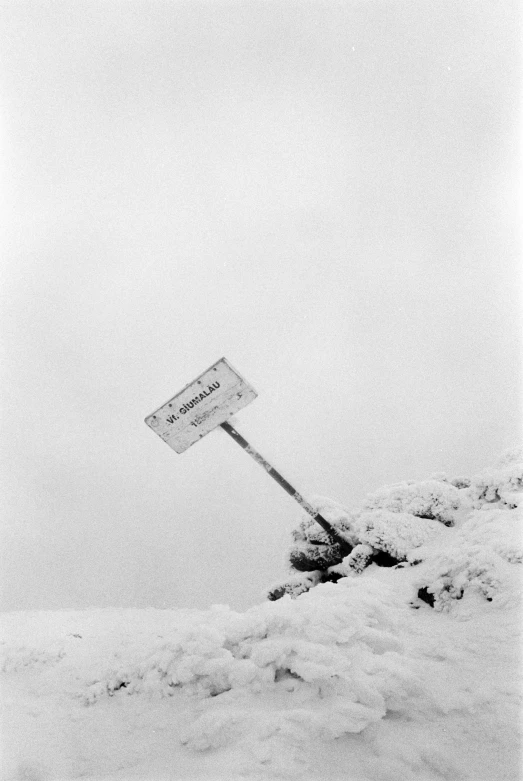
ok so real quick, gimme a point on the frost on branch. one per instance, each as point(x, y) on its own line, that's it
point(355, 562)
point(431, 499)
point(295, 585)
point(313, 551)
point(313, 548)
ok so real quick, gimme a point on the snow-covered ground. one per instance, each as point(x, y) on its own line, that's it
point(357, 680)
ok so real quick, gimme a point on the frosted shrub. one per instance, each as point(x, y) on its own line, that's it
point(431, 499)
point(457, 482)
point(359, 558)
point(450, 575)
point(313, 551)
point(313, 547)
point(295, 585)
point(403, 522)
point(460, 482)
point(396, 533)
point(499, 531)
point(325, 665)
point(502, 482)
point(475, 560)
point(382, 536)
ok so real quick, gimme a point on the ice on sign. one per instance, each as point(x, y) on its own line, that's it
point(201, 406)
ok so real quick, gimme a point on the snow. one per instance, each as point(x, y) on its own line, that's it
point(503, 481)
point(312, 547)
point(390, 525)
point(428, 499)
point(477, 559)
point(358, 680)
point(396, 533)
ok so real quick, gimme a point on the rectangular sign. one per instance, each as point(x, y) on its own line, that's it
point(201, 406)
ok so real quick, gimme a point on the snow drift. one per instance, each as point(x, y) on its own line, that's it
point(404, 671)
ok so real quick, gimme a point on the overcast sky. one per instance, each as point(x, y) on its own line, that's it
point(325, 194)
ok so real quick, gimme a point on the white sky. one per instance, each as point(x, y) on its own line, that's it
point(324, 193)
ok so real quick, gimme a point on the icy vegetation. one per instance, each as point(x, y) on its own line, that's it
point(397, 661)
point(410, 522)
point(428, 499)
point(502, 483)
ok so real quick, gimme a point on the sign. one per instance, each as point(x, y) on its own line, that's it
point(201, 406)
point(207, 403)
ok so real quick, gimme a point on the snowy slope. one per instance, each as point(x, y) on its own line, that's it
point(356, 680)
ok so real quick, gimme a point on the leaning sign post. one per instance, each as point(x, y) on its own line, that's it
point(208, 402)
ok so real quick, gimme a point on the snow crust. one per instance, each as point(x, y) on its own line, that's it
point(359, 679)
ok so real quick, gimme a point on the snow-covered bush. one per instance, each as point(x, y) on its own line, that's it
point(474, 559)
point(396, 533)
point(398, 522)
point(355, 562)
point(295, 584)
point(355, 679)
point(460, 482)
point(432, 499)
point(384, 533)
point(313, 548)
point(503, 482)
point(313, 551)
point(327, 664)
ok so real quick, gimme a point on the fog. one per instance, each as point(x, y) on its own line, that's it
point(327, 195)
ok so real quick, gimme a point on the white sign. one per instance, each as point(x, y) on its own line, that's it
point(201, 406)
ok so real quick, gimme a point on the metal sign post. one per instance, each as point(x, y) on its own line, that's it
point(207, 403)
point(287, 487)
